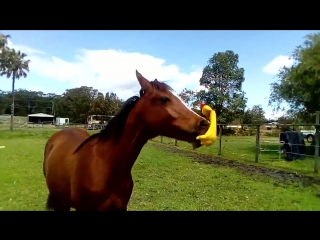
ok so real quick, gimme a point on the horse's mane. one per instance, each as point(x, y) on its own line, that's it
point(116, 124)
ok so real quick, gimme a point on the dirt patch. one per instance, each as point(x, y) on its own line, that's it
point(242, 167)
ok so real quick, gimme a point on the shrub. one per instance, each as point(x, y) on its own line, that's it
point(248, 132)
point(284, 128)
point(271, 134)
point(227, 131)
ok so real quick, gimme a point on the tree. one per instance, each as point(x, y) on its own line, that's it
point(255, 115)
point(113, 103)
point(14, 65)
point(299, 85)
point(28, 102)
point(3, 40)
point(223, 80)
point(285, 119)
point(188, 96)
point(77, 103)
point(99, 105)
point(3, 49)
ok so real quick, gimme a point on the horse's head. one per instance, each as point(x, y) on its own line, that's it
point(164, 113)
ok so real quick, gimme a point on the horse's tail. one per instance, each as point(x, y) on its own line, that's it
point(44, 159)
point(50, 202)
point(43, 168)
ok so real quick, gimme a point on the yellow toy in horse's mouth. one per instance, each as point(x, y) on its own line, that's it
point(211, 135)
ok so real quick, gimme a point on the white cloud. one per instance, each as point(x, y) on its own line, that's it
point(25, 49)
point(110, 70)
point(274, 66)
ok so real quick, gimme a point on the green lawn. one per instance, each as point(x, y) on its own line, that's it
point(163, 181)
point(242, 149)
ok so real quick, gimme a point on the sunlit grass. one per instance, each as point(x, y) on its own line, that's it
point(243, 149)
point(163, 181)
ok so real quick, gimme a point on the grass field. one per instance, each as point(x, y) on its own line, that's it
point(166, 178)
point(242, 149)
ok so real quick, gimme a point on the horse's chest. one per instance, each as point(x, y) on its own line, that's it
point(119, 198)
point(105, 193)
point(120, 189)
point(99, 186)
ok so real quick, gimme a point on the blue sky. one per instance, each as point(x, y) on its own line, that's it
point(107, 60)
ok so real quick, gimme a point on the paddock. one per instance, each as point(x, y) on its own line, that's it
point(171, 178)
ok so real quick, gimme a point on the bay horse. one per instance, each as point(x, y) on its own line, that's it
point(93, 173)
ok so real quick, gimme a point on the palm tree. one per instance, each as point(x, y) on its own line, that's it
point(3, 49)
point(14, 65)
point(3, 40)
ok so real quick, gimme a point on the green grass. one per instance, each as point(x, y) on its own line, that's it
point(163, 181)
point(242, 149)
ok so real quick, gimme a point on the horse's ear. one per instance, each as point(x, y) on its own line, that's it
point(144, 83)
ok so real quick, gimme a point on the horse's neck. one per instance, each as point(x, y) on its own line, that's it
point(126, 150)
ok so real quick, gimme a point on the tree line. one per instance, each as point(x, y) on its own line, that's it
point(76, 103)
point(222, 79)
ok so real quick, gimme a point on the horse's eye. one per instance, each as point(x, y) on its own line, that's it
point(164, 99)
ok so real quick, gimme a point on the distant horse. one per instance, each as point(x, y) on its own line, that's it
point(93, 173)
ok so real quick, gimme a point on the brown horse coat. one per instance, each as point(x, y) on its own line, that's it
point(93, 173)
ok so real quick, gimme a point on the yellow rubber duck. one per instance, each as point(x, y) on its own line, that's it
point(211, 135)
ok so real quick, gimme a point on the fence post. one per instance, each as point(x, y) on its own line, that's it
point(257, 144)
point(316, 149)
point(220, 135)
point(161, 139)
point(176, 142)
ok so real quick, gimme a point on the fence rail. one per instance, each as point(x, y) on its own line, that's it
point(263, 141)
point(249, 140)
point(49, 125)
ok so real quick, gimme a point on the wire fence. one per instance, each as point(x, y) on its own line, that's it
point(266, 143)
point(21, 123)
point(250, 143)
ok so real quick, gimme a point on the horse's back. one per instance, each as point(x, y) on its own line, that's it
point(59, 153)
point(66, 139)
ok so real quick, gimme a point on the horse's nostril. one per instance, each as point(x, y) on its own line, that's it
point(204, 123)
